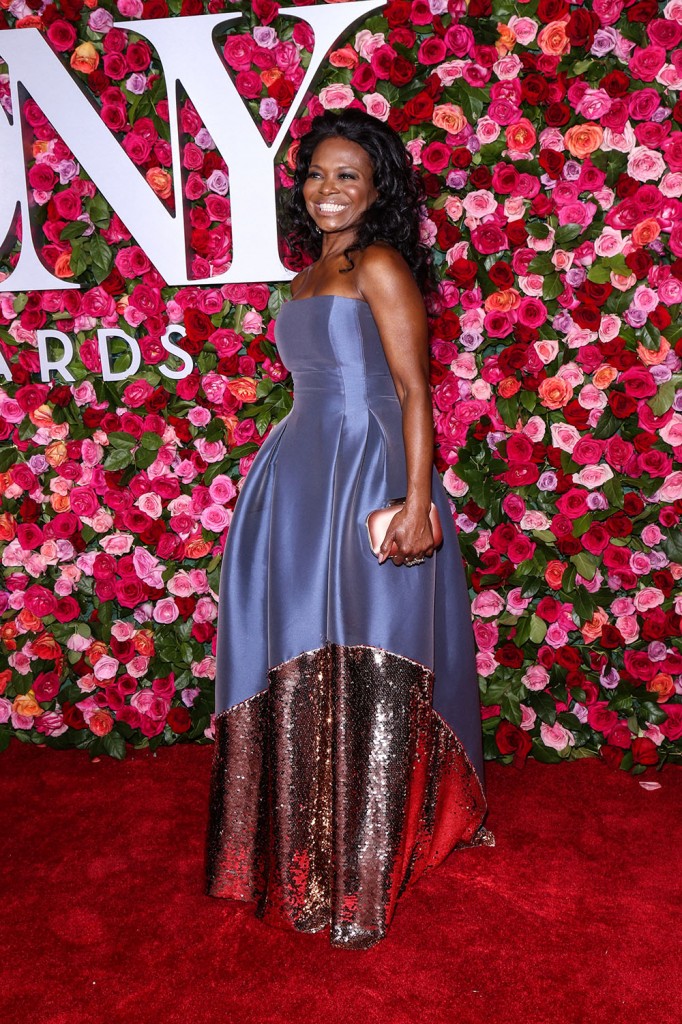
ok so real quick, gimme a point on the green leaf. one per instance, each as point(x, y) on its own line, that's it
point(152, 442)
point(538, 229)
point(583, 604)
point(511, 708)
point(552, 286)
point(663, 399)
point(613, 489)
point(117, 459)
point(118, 439)
point(543, 706)
point(538, 629)
point(672, 545)
point(607, 425)
point(542, 264)
point(585, 564)
point(144, 457)
point(508, 409)
point(74, 229)
point(567, 233)
point(114, 745)
point(8, 456)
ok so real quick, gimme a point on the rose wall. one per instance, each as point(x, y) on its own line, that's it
point(550, 139)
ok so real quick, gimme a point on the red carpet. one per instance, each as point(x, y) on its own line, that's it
point(574, 916)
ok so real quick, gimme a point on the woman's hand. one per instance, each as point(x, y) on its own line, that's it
point(410, 531)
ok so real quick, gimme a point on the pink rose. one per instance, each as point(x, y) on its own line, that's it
point(487, 604)
point(556, 736)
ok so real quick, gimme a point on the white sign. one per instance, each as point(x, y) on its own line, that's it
point(188, 56)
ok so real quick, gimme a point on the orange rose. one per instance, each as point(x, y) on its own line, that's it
point(46, 647)
point(143, 642)
point(270, 75)
point(508, 387)
point(85, 58)
point(60, 502)
point(604, 377)
point(100, 722)
point(450, 117)
point(8, 631)
point(96, 650)
point(552, 39)
point(5, 482)
point(554, 574)
point(506, 40)
point(592, 629)
point(8, 527)
point(662, 685)
point(583, 139)
point(244, 389)
point(42, 416)
point(346, 57)
point(56, 453)
point(26, 704)
point(196, 547)
point(29, 622)
point(555, 393)
point(503, 301)
point(30, 21)
point(521, 137)
point(160, 181)
point(654, 358)
point(62, 267)
point(645, 232)
point(291, 154)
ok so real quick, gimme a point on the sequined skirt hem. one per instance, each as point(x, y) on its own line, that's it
point(334, 789)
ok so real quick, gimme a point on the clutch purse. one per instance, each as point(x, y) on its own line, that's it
point(377, 523)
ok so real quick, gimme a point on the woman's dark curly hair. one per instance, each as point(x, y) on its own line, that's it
point(393, 217)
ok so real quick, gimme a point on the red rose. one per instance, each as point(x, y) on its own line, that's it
point(616, 83)
point(73, 716)
point(419, 108)
point(552, 10)
point(612, 755)
point(622, 406)
point(568, 657)
point(197, 324)
point(552, 162)
point(481, 177)
point(558, 114)
point(512, 740)
point(509, 655)
point(534, 89)
point(581, 28)
point(179, 719)
point(517, 232)
point(644, 751)
point(587, 316)
point(501, 274)
point(402, 71)
point(463, 272)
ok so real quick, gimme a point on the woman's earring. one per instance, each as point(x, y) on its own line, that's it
point(317, 229)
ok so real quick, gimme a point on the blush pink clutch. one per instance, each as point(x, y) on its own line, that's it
point(377, 523)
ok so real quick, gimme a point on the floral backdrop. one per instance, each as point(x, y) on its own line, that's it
point(549, 135)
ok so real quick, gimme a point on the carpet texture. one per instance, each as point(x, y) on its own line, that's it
point(573, 917)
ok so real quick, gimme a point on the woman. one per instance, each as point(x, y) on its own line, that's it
point(348, 738)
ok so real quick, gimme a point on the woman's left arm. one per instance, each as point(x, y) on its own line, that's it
point(387, 284)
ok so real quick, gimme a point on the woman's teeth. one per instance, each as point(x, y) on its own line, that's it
point(330, 208)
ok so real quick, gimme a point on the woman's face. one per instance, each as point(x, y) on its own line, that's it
point(340, 185)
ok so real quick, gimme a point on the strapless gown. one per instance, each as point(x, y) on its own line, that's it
point(347, 732)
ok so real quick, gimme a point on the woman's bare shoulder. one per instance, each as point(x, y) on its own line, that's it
point(383, 269)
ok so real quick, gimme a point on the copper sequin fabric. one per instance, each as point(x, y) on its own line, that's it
point(334, 789)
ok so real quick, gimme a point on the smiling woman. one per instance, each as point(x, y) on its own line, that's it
point(348, 735)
